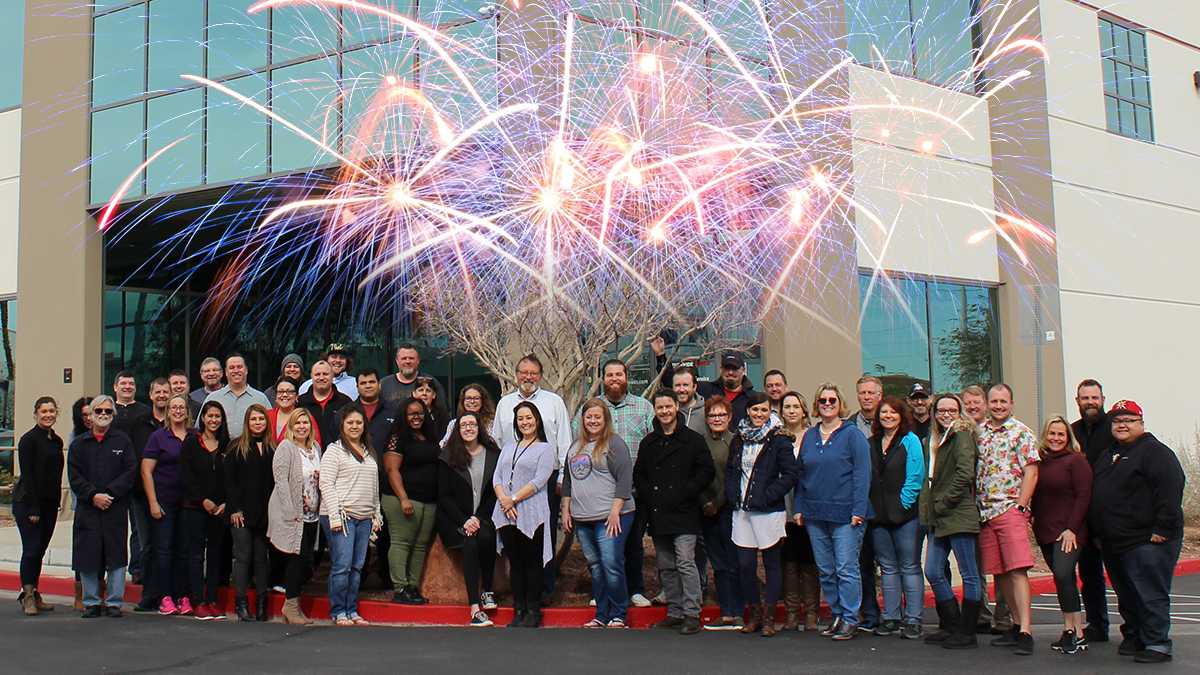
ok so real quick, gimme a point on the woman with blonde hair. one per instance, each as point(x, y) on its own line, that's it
point(1060, 506)
point(950, 516)
point(162, 476)
point(598, 504)
point(294, 508)
point(249, 482)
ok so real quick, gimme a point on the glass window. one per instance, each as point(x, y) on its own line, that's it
point(306, 95)
point(365, 70)
point(606, 9)
point(116, 150)
point(143, 332)
point(8, 363)
point(962, 329)
point(360, 27)
point(601, 59)
point(895, 332)
point(237, 41)
point(476, 56)
point(170, 118)
point(298, 31)
point(438, 12)
point(237, 133)
point(736, 21)
point(12, 51)
point(885, 25)
point(942, 36)
point(119, 55)
point(663, 17)
point(1127, 105)
point(176, 40)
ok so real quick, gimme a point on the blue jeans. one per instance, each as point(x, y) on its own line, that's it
point(866, 569)
point(720, 550)
point(347, 553)
point(836, 547)
point(141, 562)
point(938, 552)
point(1142, 579)
point(114, 591)
point(898, 550)
point(170, 557)
point(606, 560)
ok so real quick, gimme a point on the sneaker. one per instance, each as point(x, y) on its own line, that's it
point(279, 589)
point(691, 626)
point(845, 632)
point(113, 612)
point(92, 612)
point(833, 627)
point(671, 622)
point(1081, 643)
point(1093, 634)
point(660, 599)
point(639, 600)
point(1149, 656)
point(868, 627)
point(487, 600)
point(1008, 639)
point(724, 623)
point(185, 607)
point(1024, 646)
point(886, 628)
point(592, 602)
point(616, 623)
point(167, 607)
point(911, 631)
point(480, 620)
point(1130, 647)
point(215, 613)
point(143, 608)
point(202, 612)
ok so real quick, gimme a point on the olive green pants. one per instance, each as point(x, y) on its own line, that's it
point(410, 537)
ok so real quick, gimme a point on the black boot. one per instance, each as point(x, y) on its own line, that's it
point(262, 607)
point(964, 635)
point(949, 619)
point(242, 608)
point(518, 619)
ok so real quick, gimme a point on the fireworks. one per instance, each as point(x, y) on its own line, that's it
point(579, 158)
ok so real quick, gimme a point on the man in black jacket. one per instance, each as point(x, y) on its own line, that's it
point(323, 401)
point(1093, 430)
point(1137, 515)
point(672, 470)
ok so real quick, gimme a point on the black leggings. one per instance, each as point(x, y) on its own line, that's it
point(748, 569)
point(204, 536)
point(524, 566)
point(479, 561)
point(250, 548)
point(1065, 582)
point(35, 537)
point(298, 567)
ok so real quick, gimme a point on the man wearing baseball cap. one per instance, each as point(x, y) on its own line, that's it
point(1137, 516)
point(338, 357)
point(918, 400)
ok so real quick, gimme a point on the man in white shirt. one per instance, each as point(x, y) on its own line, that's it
point(338, 358)
point(558, 432)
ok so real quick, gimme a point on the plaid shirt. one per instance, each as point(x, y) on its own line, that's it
point(633, 418)
point(1003, 455)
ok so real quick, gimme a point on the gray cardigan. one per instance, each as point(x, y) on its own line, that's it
point(285, 510)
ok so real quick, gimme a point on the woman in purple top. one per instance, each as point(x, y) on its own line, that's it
point(522, 513)
point(162, 478)
point(1060, 505)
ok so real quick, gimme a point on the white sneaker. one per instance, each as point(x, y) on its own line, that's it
point(487, 600)
point(639, 600)
point(279, 589)
point(660, 599)
point(592, 602)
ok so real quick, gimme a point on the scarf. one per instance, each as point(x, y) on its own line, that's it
point(756, 435)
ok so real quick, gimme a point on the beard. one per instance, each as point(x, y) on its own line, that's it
point(1089, 412)
point(616, 392)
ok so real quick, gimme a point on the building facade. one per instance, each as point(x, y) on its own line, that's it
point(1098, 145)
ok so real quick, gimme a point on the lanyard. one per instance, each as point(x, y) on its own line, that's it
point(513, 468)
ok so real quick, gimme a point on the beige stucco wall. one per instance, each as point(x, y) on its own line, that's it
point(10, 186)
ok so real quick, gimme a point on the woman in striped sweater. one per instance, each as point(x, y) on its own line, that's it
point(350, 514)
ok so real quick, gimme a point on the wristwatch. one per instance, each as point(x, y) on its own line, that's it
point(1022, 508)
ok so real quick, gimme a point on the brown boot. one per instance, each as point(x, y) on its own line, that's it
point(78, 604)
point(27, 601)
point(810, 588)
point(768, 626)
point(791, 595)
point(42, 605)
point(754, 623)
point(293, 614)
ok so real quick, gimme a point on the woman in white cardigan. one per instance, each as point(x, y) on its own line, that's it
point(350, 514)
point(293, 511)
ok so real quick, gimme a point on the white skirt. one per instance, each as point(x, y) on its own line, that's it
point(758, 530)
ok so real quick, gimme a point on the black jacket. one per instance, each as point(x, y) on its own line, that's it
point(1137, 491)
point(248, 485)
point(100, 538)
point(776, 470)
point(327, 418)
point(203, 472)
point(669, 477)
point(888, 474)
point(455, 498)
point(1096, 439)
point(137, 421)
point(40, 456)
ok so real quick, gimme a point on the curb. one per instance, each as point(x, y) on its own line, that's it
point(378, 611)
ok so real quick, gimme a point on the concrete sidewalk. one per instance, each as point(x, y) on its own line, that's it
point(58, 558)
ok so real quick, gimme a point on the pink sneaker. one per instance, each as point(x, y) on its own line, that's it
point(185, 607)
point(167, 607)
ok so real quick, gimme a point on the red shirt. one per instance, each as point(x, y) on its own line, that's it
point(730, 395)
point(370, 409)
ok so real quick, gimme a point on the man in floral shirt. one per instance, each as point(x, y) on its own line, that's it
point(1005, 478)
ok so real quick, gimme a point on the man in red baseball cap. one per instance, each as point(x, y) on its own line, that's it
point(1137, 516)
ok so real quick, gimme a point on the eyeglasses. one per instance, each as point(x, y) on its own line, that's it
point(415, 414)
point(827, 401)
point(102, 411)
point(717, 416)
point(472, 398)
point(529, 373)
point(284, 392)
point(947, 412)
point(1126, 421)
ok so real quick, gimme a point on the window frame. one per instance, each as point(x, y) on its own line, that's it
point(915, 63)
point(1135, 68)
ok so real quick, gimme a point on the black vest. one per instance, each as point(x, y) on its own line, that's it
point(887, 479)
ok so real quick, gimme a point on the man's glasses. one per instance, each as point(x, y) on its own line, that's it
point(102, 411)
point(1126, 421)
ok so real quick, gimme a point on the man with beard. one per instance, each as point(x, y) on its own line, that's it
point(394, 389)
point(733, 383)
point(691, 406)
point(918, 400)
point(775, 384)
point(1093, 430)
point(211, 373)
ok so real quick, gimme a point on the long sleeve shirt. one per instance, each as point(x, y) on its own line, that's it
point(1062, 497)
point(40, 457)
point(349, 486)
point(836, 480)
point(554, 417)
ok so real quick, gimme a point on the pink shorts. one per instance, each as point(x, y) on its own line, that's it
point(1004, 543)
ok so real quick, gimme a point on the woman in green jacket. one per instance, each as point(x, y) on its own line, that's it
point(949, 513)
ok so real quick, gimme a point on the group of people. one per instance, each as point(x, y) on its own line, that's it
point(824, 502)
